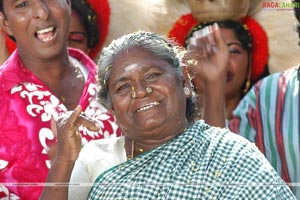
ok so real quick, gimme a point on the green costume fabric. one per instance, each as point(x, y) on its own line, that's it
point(202, 163)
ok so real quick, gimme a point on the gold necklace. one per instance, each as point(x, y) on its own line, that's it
point(132, 150)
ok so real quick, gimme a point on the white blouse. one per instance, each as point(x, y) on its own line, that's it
point(95, 157)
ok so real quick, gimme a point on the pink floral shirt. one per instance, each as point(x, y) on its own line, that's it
point(27, 106)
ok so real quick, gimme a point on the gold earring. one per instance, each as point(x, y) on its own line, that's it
point(247, 86)
point(186, 91)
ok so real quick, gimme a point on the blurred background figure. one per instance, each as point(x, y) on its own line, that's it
point(281, 31)
point(89, 25)
point(248, 47)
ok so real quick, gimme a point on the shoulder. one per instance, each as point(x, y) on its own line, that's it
point(84, 59)
point(223, 141)
point(10, 72)
point(278, 79)
point(230, 149)
point(105, 148)
point(221, 137)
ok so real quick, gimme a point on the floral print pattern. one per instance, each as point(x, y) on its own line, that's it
point(25, 126)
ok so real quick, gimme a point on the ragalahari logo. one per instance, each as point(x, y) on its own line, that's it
point(279, 5)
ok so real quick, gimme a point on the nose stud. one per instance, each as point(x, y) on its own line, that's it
point(149, 90)
point(133, 93)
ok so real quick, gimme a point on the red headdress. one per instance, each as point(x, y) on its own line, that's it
point(260, 50)
point(102, 10)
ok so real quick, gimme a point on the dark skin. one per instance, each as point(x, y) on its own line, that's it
point(40, 28)
point(210, 54)
point(147, 132)
point(148, 127)
point(69, 145)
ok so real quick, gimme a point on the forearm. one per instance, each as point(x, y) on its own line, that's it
point(214, 106)
point(58, 178)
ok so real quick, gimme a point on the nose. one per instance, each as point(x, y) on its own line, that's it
point(138, 90)
point(41, 10)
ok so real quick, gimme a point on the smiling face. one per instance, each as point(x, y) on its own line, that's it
point(238, 69)
point(39, 27)
point(149, 115)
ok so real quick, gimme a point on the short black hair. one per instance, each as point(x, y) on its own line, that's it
point(1, 5)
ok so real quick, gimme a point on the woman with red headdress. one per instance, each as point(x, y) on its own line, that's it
point(89, 26)
point(248, 47)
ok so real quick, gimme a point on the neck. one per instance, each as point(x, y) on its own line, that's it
point(44, 68)
point(136, 147)
point(230, 105)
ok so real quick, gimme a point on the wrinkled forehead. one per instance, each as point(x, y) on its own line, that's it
point(134, 58)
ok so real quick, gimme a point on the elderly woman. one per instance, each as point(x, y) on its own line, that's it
point(163, 153)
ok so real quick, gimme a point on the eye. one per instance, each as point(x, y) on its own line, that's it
point(234, 50)
point(77, 37)
point(123, 87)
point(21, 4)
point(152, 75)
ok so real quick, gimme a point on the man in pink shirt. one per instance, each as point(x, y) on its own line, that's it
point(39, 82)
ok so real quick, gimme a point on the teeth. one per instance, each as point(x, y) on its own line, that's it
point(47, 39)
point(146, 107)
point(45, 30)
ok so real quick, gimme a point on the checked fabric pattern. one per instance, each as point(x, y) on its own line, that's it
point(202, 163)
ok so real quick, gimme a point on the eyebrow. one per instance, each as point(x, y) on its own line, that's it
point(122, 79)
point(234, 43)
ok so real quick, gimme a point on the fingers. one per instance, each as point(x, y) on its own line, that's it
point(77, 118)
point(218, 37)
point(74, 120)
point(87, 122)
point(53, 126)
point(75, 115)
point(201, 45)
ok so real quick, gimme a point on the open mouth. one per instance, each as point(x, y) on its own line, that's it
point(47, 34)
point(148, 106)
point(229, 76)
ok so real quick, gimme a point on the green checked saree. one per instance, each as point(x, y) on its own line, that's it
point(201, 163)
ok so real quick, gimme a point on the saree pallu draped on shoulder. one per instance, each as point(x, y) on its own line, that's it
point(201, 163)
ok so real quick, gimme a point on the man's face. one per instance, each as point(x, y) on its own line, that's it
point(39, 27)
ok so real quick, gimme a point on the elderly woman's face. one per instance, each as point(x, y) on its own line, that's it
point(146, 95)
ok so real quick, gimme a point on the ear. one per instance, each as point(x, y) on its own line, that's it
point(69, 6)
point(4, 24)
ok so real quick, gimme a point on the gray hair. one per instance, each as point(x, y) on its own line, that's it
point(156, 44)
